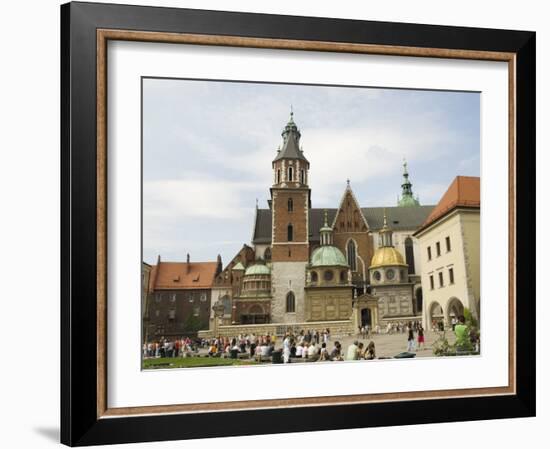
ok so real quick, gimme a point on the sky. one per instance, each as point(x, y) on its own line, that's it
point(208, 148)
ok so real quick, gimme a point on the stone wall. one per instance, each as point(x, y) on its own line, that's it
point(286, 277)
point(338, 329)
point(394, 300)
point(328, 304)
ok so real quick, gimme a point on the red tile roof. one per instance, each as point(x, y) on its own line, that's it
point(182, 275)
point(463, 192)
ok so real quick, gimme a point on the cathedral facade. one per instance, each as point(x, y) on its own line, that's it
point(340, 268)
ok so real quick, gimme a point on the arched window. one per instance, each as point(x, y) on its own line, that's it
point(267, 254)
point(352, 256)
point(302, 177)
point(409, 254)
point(279, 176)
point(343, 276)
point(290, 303)
point(289, 233)
point(314, 277)
point(290, 173)
point(290, 205)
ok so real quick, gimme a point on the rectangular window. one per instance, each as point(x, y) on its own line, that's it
point(438, 249)
point(448, 243)
point(429, 253)
point(431, 282)
point(451, 276)
point(440, 279)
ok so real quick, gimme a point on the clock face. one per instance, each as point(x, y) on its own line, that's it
point(377, 275)
point(390, 274)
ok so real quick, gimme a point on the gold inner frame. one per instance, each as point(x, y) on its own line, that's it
point(104, 35)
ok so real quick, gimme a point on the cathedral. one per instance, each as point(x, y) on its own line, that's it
point(311, 268)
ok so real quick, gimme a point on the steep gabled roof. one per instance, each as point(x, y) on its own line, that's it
point(464, 191)
point(182, 275)
point(349, 191)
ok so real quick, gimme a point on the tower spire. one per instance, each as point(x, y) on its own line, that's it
point(407, 196)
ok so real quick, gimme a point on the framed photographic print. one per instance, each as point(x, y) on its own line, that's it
point(266, 218)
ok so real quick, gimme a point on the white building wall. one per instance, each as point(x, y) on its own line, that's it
point(455, 258)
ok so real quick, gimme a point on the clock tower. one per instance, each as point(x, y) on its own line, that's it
point(290, 204)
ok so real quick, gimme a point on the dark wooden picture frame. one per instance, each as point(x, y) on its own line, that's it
point(86, 29)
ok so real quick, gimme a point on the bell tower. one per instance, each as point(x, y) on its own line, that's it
point(290, 204)
point(290, 199)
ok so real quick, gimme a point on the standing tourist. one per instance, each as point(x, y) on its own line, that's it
point(420, 337)
point(410, 340)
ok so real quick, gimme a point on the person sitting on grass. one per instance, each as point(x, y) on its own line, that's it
point(213, 350)
point(352, 353)
point(370, 353)
point(360, 351)
point(312, 351)
point(323, 353)
point(336, 354)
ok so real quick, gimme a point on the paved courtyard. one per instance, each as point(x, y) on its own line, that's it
point(389, 345)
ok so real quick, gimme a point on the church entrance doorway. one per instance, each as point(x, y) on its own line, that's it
point(366, 317)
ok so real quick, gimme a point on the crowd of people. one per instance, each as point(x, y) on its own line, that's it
point(169, 348)
point(310, 345)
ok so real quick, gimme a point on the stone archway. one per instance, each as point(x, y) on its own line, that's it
point(455, 308)
point(436, 318)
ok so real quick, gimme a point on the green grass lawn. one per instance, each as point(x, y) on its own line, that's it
point(192, 362)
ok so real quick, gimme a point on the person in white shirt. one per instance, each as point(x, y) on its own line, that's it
point(299, 350)
point(312, 351)
point(352, 353)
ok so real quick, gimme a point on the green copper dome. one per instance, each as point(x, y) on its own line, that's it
point(257, 269)
point(407, 201)
point(328, 256)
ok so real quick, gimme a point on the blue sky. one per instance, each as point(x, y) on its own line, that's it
point(208, 147)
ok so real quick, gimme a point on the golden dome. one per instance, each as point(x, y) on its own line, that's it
point(386, 256)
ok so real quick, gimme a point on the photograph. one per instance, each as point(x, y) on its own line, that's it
point(299, 223)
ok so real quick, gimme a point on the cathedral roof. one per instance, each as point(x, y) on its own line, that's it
point(328, 256)
point(399, 218)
